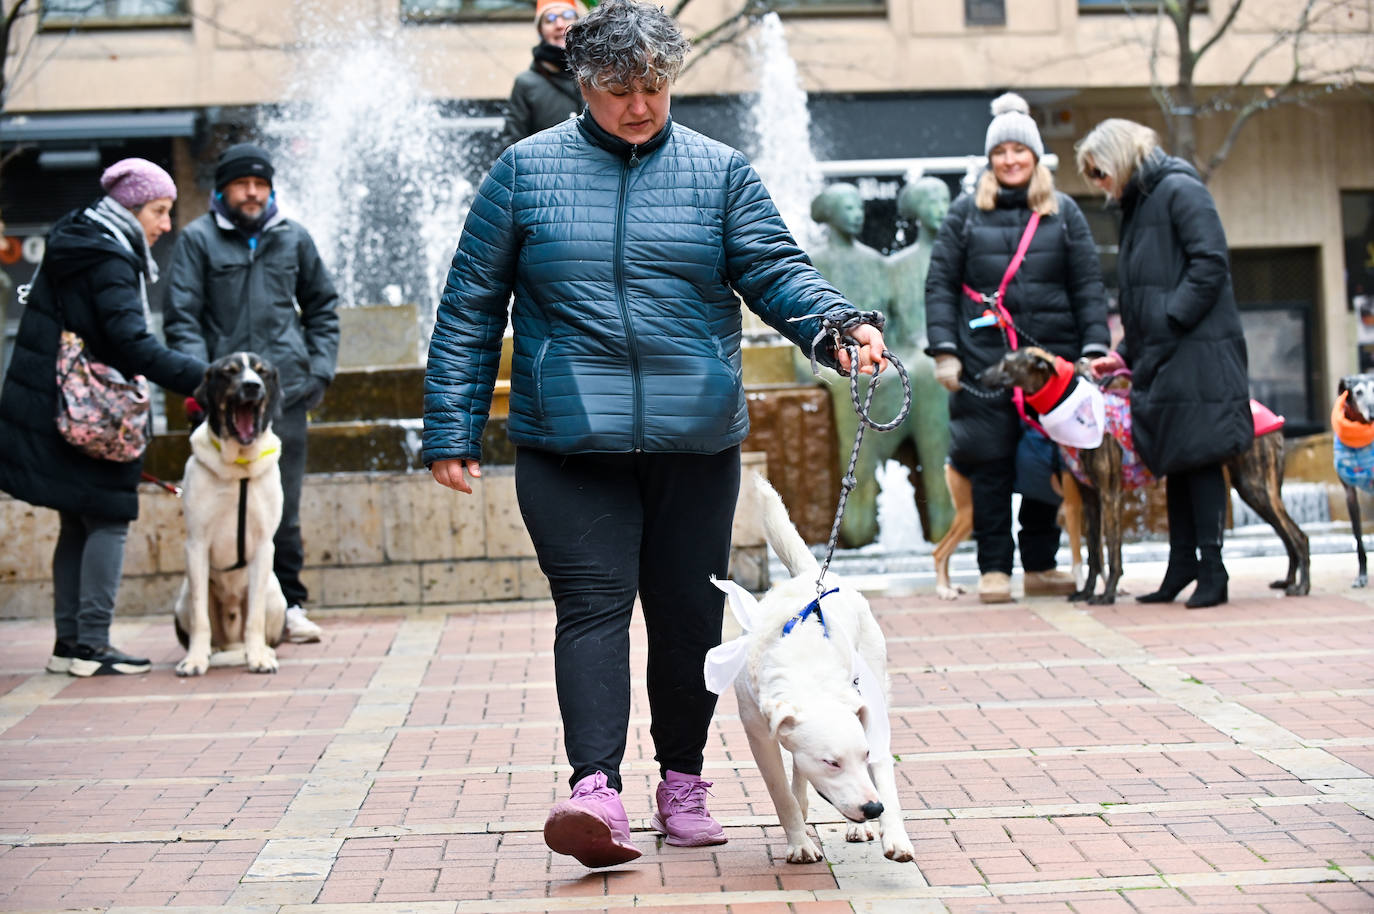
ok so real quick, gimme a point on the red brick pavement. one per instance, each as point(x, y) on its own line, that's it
point(1051, 759)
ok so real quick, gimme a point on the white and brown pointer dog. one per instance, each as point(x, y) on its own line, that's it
point(230, 601)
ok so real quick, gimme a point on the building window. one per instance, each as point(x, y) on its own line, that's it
point(985, 12)
point(442, 10)
point(114, 12)
point(1123, 6)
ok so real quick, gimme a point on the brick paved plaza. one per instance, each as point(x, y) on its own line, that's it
point(1052, 759)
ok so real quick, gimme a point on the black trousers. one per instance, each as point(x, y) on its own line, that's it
point(992, 482)
point(1197, 502)
point(290, 557)
point(608, 526)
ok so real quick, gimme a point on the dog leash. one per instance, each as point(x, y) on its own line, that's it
point(163, 484)
point(243, 528)
point(835, 324)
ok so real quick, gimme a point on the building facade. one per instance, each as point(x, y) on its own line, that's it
point(891, 86)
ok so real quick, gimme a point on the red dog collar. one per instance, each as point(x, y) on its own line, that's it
point(1045, 399)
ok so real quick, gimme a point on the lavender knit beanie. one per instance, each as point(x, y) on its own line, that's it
point(134, 182)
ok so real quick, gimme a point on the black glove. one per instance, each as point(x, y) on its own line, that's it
point(313, 395)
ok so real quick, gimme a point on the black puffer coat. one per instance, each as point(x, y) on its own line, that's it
point(95, 281)
point(1056, 301)
point(540, 98)
point(1182, 337)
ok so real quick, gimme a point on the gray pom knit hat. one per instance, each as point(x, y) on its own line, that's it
point(1012, 123)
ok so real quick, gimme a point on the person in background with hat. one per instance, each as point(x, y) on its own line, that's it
point(1056, 301)
point(546, 93)
point(94, 278)
point(244, 277)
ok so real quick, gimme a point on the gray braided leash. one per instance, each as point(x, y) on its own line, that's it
point(834, 325)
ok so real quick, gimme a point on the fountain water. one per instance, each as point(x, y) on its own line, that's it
point(365, 163)
point(782, 128)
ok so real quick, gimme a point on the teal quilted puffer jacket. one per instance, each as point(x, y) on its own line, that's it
point(625, 263)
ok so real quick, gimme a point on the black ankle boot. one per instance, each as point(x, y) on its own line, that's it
point(1211, 580)
point(1181, 572)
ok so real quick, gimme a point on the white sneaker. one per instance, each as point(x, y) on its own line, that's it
point(299, 629)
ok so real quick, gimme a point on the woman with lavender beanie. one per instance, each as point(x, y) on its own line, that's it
point(93, 280)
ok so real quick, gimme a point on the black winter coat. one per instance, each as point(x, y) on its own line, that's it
point(93, 282)
point(539, 100)
point(1056, 300)
point(1182, 338)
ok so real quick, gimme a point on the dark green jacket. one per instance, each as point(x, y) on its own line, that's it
point(225, 296)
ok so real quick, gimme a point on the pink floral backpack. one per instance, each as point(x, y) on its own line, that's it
point(99, 411)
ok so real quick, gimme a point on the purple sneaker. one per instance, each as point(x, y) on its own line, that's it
point(682, 817)
point(591, 825)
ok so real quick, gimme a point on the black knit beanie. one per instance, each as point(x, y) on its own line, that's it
point(241, 161)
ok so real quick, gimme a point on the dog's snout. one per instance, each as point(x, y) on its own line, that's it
point(871, 810)
point(251, 389)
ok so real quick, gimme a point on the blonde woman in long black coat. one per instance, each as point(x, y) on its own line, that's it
point(1182, 340)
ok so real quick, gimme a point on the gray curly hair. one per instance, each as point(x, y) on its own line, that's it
point(622, 43)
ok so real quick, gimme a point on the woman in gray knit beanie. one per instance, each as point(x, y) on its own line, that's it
point(1055, 299)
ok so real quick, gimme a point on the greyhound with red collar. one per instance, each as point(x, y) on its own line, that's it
point(1111, 468)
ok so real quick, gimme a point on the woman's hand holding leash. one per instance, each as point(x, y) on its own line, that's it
point(1105, 365)
point(872, 350)
point(449, 473)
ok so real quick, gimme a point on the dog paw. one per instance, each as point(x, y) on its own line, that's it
point(262, 660)
point(898, 849)
point(1360, 581)
point(805, 852)
point(1102, 599)
point(1298, 590)
point(858, 831)
point(951, 592)
point(193, 666)
point(1079, 596)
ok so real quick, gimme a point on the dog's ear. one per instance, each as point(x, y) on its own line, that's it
point(782, 718)
point(1341, 387)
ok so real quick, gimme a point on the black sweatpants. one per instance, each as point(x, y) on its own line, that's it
point(992, 482)
point(606, 526)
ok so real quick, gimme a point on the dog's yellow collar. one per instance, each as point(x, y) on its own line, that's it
point(245, 460)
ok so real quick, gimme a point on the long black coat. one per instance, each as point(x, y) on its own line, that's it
point(1182, 337)
point(96, 283)
point(1056, 300)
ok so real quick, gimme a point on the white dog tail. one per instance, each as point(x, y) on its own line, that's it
point(781, 534)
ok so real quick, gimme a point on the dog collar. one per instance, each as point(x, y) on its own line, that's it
point(813, 607)
point(1044, 399)
point(1351, 434)
point(245, 460)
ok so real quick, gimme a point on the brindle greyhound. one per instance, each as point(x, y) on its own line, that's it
point(1256, 473)
point(1352, 462)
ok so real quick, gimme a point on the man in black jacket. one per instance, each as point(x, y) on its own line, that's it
point(243, 277)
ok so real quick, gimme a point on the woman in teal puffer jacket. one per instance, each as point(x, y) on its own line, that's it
point(626, 240)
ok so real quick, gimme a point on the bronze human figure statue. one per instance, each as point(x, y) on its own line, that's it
point(865, 277)
point(923, 440)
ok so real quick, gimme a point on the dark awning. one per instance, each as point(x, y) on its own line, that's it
point(105, 125)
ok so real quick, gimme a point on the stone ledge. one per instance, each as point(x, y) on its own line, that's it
point(372, 539)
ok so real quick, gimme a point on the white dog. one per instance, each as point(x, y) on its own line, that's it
point(230, 600)
point(811, 677)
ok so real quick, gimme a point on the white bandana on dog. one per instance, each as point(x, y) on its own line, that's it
point(1080, 418)
point(724, 663)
